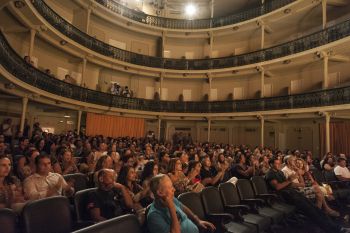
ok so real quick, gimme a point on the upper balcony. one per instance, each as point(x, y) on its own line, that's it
point(314, 40)
point(25, 75)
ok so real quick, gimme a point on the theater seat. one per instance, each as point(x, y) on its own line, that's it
point(80, 181)
point(247, 196)
point(261, 191)
point(49, 215)
point(194, 203)
point(81, 199)
point(126, 224)
point(8, 221)
point(230, 199)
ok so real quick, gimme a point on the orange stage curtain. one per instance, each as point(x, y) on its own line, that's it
point(114, 126)
point(339, 138)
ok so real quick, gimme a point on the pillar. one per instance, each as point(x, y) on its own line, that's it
point(262, 130)
point(87, 25)
point(262, 45)
point(328, 137)
point(79, 121)
point(83, 71)
point(159, 128)
point(31, 42)
point(161, 85)
point(325, 72)
point(324, 14)
point(24, 110)
point(209, 129)
point(210, 85)
point(262, 83)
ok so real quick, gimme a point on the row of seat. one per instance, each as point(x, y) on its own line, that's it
point(244, 208)
point(247, 207)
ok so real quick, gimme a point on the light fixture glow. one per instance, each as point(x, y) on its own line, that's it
point(190, 9)
point(66, 116)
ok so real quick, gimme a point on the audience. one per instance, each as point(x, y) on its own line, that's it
point(122, 169)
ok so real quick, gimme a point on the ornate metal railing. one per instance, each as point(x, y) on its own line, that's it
point(193, 24)
point(15, 65)
point(314, 40)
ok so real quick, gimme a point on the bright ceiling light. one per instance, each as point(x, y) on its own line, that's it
point(190, 9)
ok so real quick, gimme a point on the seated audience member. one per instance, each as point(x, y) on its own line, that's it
point(241, 170)
point(193, 176)
point(328, 164)
point(10, 187)
point(32, 154)
point(21, 168)
point(127, 177)
point(44, 183)
point(163, 162)
point(278, 182)
point(167, 214)
point(151, 169)
point(110, 199)
point(68, 163)
point(264, 164)
point(341, 171)
point(183, 156)
point(308, 181)
point(177, 177)
point(21, 148)
point(209, 175)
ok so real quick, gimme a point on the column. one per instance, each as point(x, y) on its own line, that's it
point(83, 71)
point(211, 43)
point(163, 42)
point(325, 72)
point(262, 83)
point(79, 121)
point(209, 129)
point(262, 130)
point(87, 25)
point(262, 45)
point(161, 86)
point(328, 138)
point(212, 9)
point(159, 128)
point(210, 82)
point(31, 42)
point(324, 14)
point(24, 110)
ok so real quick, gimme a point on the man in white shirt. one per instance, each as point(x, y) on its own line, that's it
point(44, 183)
point(341, 171)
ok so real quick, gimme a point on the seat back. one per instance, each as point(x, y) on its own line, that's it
point(259, 185)
point(125, 223)
point(330, 176)
point(8, 221)
point(245, 189)
point(229, 194)
point(81, 199)
point(80, 181)
point(211, 200)
point(318, 176)
point(49, 215)
point(193, 201)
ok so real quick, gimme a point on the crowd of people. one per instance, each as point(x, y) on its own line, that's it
point(123, 170)
point(118, 90)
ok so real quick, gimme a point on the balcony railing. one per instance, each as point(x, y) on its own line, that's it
point(323, 37)
point(15, 65)
point(193, 24)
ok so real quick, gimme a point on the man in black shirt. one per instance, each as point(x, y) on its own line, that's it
point(110, 199)
point(278, 182)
